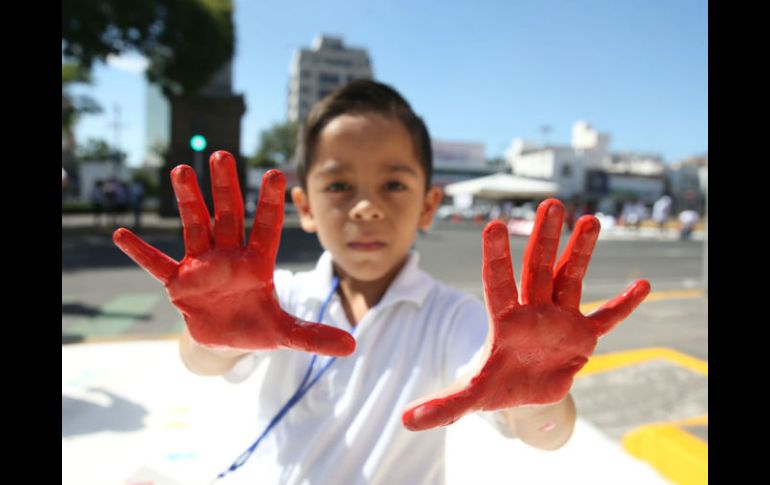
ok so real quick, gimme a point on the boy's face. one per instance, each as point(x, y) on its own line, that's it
point(366, 195)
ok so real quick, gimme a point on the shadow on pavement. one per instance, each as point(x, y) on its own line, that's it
point(92, 311)
point(94, 249)
point(84, 417)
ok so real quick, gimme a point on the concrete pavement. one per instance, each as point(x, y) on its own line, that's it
point(131, 414)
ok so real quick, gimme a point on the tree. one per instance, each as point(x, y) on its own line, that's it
point(72, 107)
point(277, 145)
point(185, 41)
point(98, 150)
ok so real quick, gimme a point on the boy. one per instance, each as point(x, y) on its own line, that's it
point(365, 168)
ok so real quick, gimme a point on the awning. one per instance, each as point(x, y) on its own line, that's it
point(503, 186)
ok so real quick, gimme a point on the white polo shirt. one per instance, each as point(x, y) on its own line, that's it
point(347, 429)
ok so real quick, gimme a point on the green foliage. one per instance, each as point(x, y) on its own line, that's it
point(185, 41)
point(277, 145)
point(97, 150)
point(73, 107)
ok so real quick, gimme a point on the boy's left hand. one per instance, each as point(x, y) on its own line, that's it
point(533, 348)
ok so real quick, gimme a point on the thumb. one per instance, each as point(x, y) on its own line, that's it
point(440, 409)
point(617, 309)
point(318, 338)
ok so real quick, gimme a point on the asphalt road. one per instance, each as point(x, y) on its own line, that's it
point(105, 294)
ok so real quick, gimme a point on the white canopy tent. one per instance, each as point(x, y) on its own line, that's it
point(502, 186)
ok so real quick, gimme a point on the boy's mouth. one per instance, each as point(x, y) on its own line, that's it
point(366, 246)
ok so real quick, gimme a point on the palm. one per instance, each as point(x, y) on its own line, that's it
point(534, 346)
point(223, 288)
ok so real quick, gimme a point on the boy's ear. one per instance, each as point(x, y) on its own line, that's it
point(429, 207)
point(301, 202)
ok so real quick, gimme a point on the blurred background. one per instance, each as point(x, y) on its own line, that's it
point(601, 104)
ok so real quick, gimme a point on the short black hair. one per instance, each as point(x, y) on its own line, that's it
point(363, 96)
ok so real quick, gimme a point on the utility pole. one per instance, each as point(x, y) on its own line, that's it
point(117, 126)
point(545, 130)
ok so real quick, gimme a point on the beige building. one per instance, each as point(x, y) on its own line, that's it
point(318, 71)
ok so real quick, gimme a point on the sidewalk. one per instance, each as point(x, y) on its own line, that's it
point(132, 414)
point(153, 222)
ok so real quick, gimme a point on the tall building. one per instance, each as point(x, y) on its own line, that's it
point(318, 71)
point(157, 125)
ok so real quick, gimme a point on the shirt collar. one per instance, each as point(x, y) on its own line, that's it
point(411, 283)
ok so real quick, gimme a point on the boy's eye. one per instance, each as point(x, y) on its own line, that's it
point(394, 186)
point(337, 187)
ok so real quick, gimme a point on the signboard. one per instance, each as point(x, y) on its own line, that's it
point(457, 155)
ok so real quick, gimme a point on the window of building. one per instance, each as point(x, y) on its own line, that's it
point(566, 171)
point(339, 62)
point(329, 78)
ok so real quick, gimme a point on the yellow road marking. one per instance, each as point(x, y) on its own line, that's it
point(675, 453)
point(654, 296)
point(696, 421)
point(607, 362)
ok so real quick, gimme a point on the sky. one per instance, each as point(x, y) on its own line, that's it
point(482, 72)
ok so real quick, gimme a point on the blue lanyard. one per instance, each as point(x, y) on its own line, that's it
point(305, 386)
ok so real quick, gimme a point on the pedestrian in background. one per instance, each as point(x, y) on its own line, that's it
point(687, 220)
point(661, 211)
point(136, 192)
point(98, 201)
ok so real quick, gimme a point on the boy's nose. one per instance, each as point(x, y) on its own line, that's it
point(365, 210)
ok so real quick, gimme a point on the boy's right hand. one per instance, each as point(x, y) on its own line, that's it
point(224, 289)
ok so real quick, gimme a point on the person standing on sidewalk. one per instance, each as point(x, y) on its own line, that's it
point(136, 192)
point(661, 211)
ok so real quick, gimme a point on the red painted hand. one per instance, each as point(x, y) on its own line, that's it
point(533, 348)
point(224, 289)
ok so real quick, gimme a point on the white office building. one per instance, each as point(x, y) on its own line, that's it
point(318, 71)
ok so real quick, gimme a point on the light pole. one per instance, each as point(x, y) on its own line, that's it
point(198, 144)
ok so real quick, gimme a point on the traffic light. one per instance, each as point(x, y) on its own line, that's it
point(198, 143)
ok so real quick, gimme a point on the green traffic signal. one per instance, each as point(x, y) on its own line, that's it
point(198, 143)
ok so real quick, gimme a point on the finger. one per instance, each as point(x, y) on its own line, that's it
point(616, 310)
point(497, 273)
point(192, 210)
point(160, 266)
point(318, 338)
point(540, 254)
point(572, 266)
point(268, 221)
point(440, 409)
point(228, 203)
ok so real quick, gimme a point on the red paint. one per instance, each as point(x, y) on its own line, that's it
point(224, 285)
point(535, 345)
